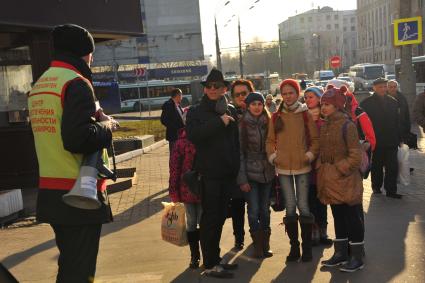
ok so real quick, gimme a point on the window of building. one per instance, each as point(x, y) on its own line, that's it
point(345, 28)
point(353, 28)
point(352, 20)
point(328, 27)
point(336, 17)
point(310, 19)
point(345, 41)
point(328, 17)
point(302, 20)
point(336, 26)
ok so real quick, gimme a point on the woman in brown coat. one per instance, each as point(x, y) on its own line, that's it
point(339, 181)
point(292, 144)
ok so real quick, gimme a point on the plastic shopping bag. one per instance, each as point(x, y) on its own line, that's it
point(173, 224)
point(403, 165)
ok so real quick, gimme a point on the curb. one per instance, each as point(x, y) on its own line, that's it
point(131, 154)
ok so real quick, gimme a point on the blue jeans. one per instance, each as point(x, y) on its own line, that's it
point(193, 216)
point(300, 199)
point(258, 199)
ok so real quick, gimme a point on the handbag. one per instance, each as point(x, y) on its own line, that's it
point(277, 201)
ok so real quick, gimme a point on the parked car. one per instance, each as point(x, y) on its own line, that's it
point(349, 81)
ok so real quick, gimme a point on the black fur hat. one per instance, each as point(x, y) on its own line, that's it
point(72, 39)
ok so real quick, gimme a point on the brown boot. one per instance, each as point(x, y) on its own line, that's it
point(257, 241)
point(266, 243)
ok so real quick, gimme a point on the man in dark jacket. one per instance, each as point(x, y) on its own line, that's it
point(171, 117)
point(214, 132)
point(405, 123)
point(383, 111)
point(75, 129)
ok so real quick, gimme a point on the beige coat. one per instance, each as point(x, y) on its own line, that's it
point(339, 180)
point(288, 149)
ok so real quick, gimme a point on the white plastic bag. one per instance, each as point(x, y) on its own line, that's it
point(173, 223)
point(403, 165)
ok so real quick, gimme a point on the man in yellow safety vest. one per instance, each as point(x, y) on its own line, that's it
point(66, 125)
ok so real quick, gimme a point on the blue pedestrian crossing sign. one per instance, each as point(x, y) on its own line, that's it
point(408, 31)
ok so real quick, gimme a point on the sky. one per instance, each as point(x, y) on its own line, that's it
point(261, 21)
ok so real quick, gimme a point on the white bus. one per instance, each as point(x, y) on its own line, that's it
point(363, 75)
point(419, 67)
point(159, 92)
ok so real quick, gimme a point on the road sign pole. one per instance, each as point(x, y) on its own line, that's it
point(407, 74)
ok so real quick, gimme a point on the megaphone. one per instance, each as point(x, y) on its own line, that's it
point(83, 194)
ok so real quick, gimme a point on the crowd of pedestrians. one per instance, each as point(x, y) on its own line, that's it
point(318, 150)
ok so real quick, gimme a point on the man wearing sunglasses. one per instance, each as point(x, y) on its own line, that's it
point(214, 132)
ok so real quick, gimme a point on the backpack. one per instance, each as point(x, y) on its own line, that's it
point(365, 164)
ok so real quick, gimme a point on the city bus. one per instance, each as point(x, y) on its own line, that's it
point(419, 67)
point(265, 83)
point(108, 94)
point(135, 96)
point(363, 75)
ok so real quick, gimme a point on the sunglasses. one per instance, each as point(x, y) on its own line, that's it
point(242, 93)
point(216, 85)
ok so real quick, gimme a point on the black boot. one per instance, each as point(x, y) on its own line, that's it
point(291, 227)
point(306, 223)
point(195, 255)
point(356, 254)
point(257, 241)
point(340, 255)
point(266, 243)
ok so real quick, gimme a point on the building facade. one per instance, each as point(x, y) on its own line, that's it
point(310, 39)
point(375, 29)
point(173, 34)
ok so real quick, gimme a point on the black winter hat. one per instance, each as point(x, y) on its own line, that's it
point(254, 96)
point(73, 39)
point(215, 76)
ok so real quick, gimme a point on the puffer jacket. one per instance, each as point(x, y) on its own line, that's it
point(252, 136)
point(292, 150)
point(182, 158)
point(338, 179)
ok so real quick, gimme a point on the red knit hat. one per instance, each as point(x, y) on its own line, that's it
point(334, 96)
point(292, 83)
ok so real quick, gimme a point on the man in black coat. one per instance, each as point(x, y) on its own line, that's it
point(212, 129)
point(172, 117)
point(77, 231)
point(405, 123)
point(383, 111)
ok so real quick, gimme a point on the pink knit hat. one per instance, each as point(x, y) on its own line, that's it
point(334, 96)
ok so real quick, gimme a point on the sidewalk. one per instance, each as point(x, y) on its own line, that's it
point(131, 248)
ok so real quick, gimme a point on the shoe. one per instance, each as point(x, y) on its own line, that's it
point(394, 195)
point(257, 241)
point(238, 246)
point(355, 262)
point(340, 255)
point(291, 227)
point(195, 255)
point(229, 266)
point(218, 272)
point(306, 223)
point(266, 243)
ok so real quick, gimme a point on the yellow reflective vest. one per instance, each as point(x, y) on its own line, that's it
point(58, 167)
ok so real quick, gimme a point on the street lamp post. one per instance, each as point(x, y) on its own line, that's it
point(217, 41)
